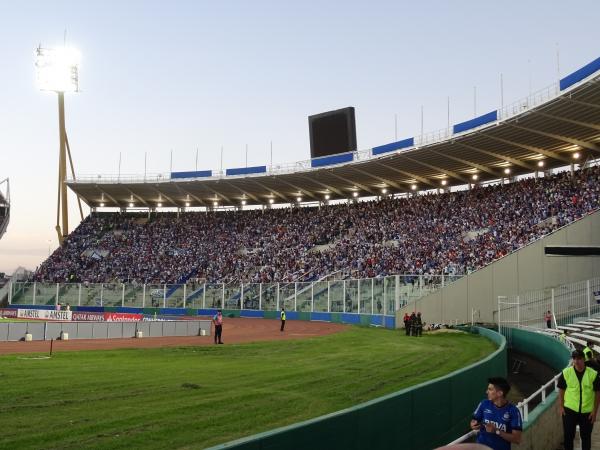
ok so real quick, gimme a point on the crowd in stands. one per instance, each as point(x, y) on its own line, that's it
point(449, 233)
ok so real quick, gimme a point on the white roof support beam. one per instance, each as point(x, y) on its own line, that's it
point(189, 194)
point(591, 126)
point(531, 148)
point(299, 189)
point(137, 197)
point(516, 162)
point(169, 199)
point(244, 193)
point(110, 197)
point(564, 139)
point(218, 194)
point(450, 173)
point(272, 191)
point(579, 102)
point(469, 163)
point(419, 178)
point(377, 177)
point(326, 186)
point(354, 183)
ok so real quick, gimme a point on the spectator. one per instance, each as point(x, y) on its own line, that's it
point(497, 420)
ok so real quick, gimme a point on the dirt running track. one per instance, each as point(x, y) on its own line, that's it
point(235, 331)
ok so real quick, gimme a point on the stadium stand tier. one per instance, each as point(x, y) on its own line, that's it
point(451, 233)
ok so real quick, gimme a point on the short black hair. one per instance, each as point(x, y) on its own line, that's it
point(500, 384)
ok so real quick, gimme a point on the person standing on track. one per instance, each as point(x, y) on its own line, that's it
point(218, 322)
point(282, 318)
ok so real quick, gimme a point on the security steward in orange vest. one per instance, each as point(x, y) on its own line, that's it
point(578, 400)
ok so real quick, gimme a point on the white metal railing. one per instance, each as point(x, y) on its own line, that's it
point(516, 108)
point(379, 296)
point(566, 304)
point(523, 405)
point(464, 438)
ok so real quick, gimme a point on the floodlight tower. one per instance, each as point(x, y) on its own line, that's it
point(58, 71)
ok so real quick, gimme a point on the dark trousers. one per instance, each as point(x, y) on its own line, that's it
point(570, 420)
point(407, 328)
point(282, 325)
point(549, 323)
point(218, 331)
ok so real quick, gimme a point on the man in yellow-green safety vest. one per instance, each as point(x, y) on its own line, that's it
point(578, 400)
point(588, 353)
point(282, 319)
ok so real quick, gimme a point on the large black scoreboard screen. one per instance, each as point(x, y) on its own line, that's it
point(332, 132)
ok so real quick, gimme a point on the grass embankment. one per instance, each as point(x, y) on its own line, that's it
point(195, 397)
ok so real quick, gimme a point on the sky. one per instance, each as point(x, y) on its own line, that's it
point(183, 76)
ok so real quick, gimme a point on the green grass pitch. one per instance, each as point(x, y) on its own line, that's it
point(194, 397)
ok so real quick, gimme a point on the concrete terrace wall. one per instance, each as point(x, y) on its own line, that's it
point(527, 269)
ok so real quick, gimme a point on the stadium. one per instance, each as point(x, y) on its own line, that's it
point(481, 228)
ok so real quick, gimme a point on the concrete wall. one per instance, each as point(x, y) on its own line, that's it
point(546, 430)
point(15, 331)
point(525, 270)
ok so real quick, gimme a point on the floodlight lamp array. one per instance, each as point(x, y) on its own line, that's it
point(57, 69)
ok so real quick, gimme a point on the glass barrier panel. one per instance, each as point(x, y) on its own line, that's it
point(336, 296)
point(351, 298)
point(304, 297)
point(68, 294)
point(378, 299)
point(214, 296)
point(320, 296)
point(194, 295)
point(112, 295)
point(91, 294)
point(22, 293)
point(134, 295)
point(175, 295)
point(251, 295)
point(287, 296)
point(155, 295)
point(46, 294)
point(366, 296)
point(233, 295)
point(269, 297)
point(389, 305)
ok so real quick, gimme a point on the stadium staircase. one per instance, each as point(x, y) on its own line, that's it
point(180, 283)
point(18, 274)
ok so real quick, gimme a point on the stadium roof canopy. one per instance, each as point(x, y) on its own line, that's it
point(553, 125)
